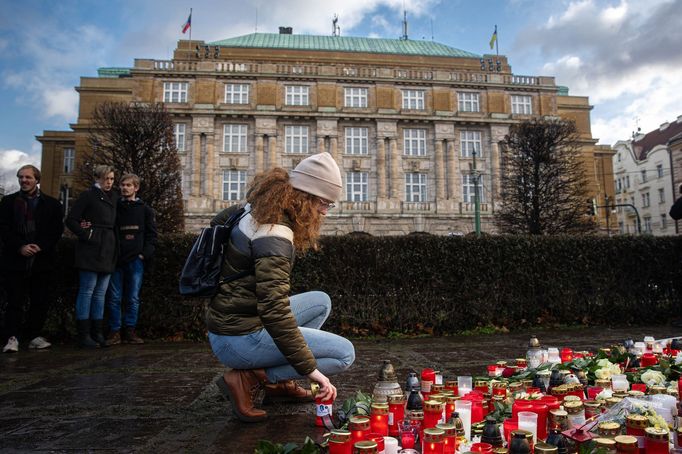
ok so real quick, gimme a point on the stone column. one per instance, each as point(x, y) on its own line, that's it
point(396, 172)
point(381, 168)
point(196, 165)
point(495, 171)
point(440, 171)
point(453, 171)
point(334, 148)
point(259, 154)
point(211, 171)
point(272, 151)
point(321, 144)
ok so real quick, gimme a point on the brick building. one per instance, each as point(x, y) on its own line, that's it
point(404, 119)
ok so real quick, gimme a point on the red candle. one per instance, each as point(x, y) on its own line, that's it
point(648, 359)
point(450, 437)
point(378, 418)
point(449, 406)
point(322, 408)
point(533, 390)
point(492, 370)
point(359, 427)
point(378, 439)
point(433, 411)
point(656, 441)
point(639, 387)
point(593, 391)
point(433, 441)
point(510, 425)
point(542, 411)
point(521, 405)
point(396, 412)
point(340, 442)
point(485, 448)
point(452, 386)
point(566, 355)
point(428, 378)
point(407, 434)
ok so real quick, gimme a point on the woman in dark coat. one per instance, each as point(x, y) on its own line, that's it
point(92, 220)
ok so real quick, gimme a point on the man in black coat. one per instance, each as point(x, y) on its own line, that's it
point(136, 230)
point(30, 227)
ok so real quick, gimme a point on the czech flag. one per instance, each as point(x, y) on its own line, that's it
point(187, 24)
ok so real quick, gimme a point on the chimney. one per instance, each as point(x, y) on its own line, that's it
point(285, 30)
point(663, 126)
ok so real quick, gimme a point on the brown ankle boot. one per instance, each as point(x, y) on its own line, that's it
point(287, 391)
point(242, 386)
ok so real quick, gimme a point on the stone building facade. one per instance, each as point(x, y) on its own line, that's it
point(412, 124)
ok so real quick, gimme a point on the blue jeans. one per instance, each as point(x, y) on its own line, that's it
point(91, 291)
point(127, 278)
point(256, 350)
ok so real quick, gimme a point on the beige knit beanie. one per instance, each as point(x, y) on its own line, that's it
point(318, 175)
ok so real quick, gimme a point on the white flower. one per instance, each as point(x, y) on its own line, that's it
point(652, 377)
point(603, 374)
point(604, 362)
point(605, 394)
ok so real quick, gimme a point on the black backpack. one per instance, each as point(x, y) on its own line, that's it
point(200, 275)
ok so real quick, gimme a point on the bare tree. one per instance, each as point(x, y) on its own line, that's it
point(139, 139)
point(543, 184)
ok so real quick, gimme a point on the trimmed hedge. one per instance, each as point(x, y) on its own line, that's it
point(437, 285)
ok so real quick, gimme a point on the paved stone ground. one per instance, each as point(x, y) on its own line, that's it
point(160, 397)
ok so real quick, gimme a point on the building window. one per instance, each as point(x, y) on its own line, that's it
point(356, 186)
point(627, 181)
point(179, 135)
point(468, 189)
point(234, 138)
point(175, 91)
point(522, 104)
point(643, 172)
point(415, 187)
point(414, 142)
point(236, 93)
point(468, 102)
point(645, 200)
point(618, 156)
point(647, 224)
point(470, 143)
point(413, 99)
point(355, 97)
point(295, 139)
point(69, 158)
point(234, 182)
point(618, 185)
point(661, 195)
point(664, 221)
point(356, 140)
point(297, 95)
point(659, 170)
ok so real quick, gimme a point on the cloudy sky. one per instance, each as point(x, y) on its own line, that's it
point(625, 55)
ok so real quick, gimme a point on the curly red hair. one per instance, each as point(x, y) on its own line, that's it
point(274, 201)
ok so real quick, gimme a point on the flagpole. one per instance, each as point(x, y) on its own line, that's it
point(497, 40)
point(190, 27)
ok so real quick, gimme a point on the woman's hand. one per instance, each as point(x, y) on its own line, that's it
point(327, 390)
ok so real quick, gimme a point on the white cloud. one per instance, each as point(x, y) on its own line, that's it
point(62, 102)
point(10, 161)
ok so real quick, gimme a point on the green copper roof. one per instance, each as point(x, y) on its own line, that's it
point(113, 72)
point(562, 90)
point(344, 44)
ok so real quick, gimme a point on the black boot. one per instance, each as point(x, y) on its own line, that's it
point(84, 339)
point(97, 332)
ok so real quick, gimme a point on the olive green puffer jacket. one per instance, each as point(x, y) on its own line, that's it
point(259, 300)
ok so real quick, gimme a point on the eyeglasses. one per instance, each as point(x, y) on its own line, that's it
point(326, 204)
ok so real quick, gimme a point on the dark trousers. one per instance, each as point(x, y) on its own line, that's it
point(22, 288)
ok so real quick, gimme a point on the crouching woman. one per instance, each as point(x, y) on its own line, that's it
point(265, 336)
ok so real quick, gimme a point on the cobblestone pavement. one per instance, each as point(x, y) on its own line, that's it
point(160, 397)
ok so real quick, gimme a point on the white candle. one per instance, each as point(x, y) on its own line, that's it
point(465, 416)
point(390, 445)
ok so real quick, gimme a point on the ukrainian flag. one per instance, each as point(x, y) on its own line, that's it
point(493, 39)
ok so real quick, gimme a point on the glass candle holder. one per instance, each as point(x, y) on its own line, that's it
point(378, 418)
point(626, 444)
point(359, 427)
point(449, 437)
point(340, 442)
point(509, 425)
point(463, 407)
point(365, 447)
point(433, 441)
point(428, 377)
point(450, 406)
point(566, 355)
point(521, 405)
point(407, 434)
point(553, 355)
point(433, 412)
point(542, 411)
point(390, 445)
point(648, 359)
point(452, 386)
point(484, 448)
point(322, 408)
point(378, 439)
point(464, 385)
point(656, 441)
point(396, 412)
point(529, 421)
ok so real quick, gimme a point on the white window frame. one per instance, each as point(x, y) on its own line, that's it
point(179, 134)
point(69, 160)
point(416, 187)
point(234, 184)
point(413, 99)
point(470, 142)
point(468, 188)
point(175, 92)
point(468, 101)
point(235, 138)
point(355, 97)
point(297, 95)
point(522, 104)
point(647, 224)
point(664, 221)
point(646, 201)
point(357, 140)
point(644, 176)
point(296, 139)
point(414, 142)
point(357, 186)
point(659, 170)
point(237, 93)
point(661, 195)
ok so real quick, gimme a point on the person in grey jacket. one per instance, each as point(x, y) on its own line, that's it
point(92, 219)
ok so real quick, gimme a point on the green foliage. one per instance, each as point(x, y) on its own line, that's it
point(417, 285)
point(268, 447)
